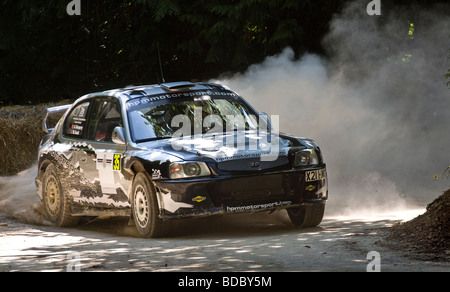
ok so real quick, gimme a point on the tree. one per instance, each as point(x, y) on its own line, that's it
point(46, 55)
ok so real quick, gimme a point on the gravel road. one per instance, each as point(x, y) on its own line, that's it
point(250, 242)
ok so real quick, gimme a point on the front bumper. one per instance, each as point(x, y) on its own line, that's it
point(240, 193)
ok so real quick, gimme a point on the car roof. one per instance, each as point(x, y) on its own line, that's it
point(131, 92)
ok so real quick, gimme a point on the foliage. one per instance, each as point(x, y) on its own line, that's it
point(47, 55)
point(436, 177)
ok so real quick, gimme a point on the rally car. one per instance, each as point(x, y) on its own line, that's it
point(175, 150)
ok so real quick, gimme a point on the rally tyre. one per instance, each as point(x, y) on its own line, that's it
point(146, 210)
point(309, 215)
point(56, 204)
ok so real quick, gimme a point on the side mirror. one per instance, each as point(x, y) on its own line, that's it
point(118, 136)
point(264, 121)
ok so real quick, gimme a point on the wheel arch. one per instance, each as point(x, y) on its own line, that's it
point(136, 167)
point(43, 167)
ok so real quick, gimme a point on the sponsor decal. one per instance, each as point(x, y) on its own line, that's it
point(273, 155)
point(116, 161)
point(154, 98)
point(258, 206)
point(198, 199)
point(156, 174)
point(310, 188)
point(254, 164)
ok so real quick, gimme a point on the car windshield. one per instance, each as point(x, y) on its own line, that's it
point(165, 117)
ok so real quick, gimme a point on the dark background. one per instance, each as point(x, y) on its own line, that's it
point(47, 55)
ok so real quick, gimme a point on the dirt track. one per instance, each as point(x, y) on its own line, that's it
point(251, 242)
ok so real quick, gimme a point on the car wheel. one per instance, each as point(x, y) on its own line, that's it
point(146, 209)
point(307, 216)
point(56, 204)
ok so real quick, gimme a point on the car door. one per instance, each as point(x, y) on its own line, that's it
point(72, 155)
point(92, 164)
point(104, 163)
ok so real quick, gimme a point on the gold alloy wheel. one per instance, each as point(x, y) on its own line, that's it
point(52, 196)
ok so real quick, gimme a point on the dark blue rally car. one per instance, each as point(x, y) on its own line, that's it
point(175, 150)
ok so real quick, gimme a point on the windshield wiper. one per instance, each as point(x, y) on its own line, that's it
point(153, 139)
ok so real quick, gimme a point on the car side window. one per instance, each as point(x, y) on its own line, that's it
point(75, 125)
point(103, 121)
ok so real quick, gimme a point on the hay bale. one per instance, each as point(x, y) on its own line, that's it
point(20, 134)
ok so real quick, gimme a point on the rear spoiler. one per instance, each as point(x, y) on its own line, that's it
point(53, 115)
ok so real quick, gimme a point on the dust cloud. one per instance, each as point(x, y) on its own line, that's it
point(19, 199)
point(378, 106)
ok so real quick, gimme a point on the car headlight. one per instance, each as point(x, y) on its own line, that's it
point(188, 169)
point(306, 157)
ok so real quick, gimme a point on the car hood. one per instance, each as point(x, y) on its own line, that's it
point(238, 150)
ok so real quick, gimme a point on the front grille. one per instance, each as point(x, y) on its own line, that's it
point(255, 190)
point(254, 164)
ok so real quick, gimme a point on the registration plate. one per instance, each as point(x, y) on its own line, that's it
point(315, 175)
